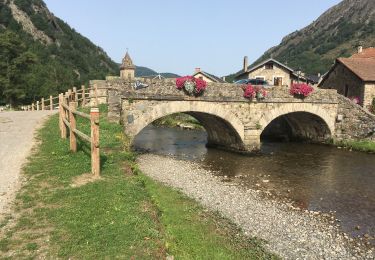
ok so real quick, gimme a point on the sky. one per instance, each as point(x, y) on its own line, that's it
point(181, 35)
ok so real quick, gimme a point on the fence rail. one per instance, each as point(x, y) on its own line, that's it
point(67, 105)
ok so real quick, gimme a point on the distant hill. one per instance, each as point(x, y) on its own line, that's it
point(145, 72)
point(55, 57)
point(336, 33)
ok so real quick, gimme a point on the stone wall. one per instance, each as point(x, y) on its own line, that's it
point(341, 77)
point(357, 123)
point(99, 89)
point(369, 94)
point(166, 90)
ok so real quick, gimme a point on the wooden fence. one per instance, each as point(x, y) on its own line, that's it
point(67, 104)
point(82, 96)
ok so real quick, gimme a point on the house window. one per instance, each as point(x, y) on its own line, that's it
point(346, 93)
point(277, 81)
point(201, 77)
point(269, 66)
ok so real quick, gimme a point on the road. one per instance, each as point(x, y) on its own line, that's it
point(17, 131)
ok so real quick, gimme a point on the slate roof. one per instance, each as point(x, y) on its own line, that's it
point(210, 76)
point(314, 78)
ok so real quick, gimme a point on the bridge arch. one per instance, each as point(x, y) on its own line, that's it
point(224, 129)
point(305, 121)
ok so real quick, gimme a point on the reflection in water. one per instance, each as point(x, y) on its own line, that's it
point(316, 177)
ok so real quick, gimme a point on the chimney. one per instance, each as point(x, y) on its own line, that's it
point(245, 64)
point(360, 49)
point(197, 70)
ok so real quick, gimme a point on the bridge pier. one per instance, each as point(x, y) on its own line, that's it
point(252, 140)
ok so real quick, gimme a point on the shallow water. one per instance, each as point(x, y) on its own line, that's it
point(315, 177)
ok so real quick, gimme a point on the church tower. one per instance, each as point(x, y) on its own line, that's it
point(127, 69)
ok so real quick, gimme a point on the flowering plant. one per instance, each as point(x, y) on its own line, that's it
point(191, 85)
point(251, 92)
point(356, 100)
point(301, 89)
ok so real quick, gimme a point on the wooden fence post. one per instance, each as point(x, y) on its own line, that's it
point(67, 102)
point(73, 126)
point(69, 95)
point(83, 96)
point(75, 93)
point(43, 106)
point(62, 116)
point(50, 103)
point(37, 106)
point(95, 155)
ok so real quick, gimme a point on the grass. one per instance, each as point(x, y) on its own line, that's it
point(122, 215)
point(362, 146)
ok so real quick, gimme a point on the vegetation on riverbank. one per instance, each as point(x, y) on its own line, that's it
point(179, 120)
point(362, 146)
point(59, 213)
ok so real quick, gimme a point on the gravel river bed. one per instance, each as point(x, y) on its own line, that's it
point(289, 231)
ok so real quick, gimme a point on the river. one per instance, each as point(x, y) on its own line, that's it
point(315, 177)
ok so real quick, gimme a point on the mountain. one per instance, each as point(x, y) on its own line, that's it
point(41, 55)
point(147, 72)
point(336, 33)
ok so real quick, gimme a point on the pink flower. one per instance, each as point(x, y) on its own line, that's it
point(181, 81)
point(200, 84)
point(249, 91)
point(301, 89)
point(356, 100)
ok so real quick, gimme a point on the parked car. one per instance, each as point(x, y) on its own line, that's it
point(254, 82)
point(241, 81)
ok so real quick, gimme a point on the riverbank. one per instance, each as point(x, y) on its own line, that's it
point(361, 146)
point(291, 233)
point(61, 212)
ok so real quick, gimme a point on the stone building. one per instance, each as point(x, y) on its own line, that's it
point(127, 69)
point(271, 70)
point(206, 76)
point(353, 77)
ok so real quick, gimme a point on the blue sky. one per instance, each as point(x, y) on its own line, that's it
point(178, 36)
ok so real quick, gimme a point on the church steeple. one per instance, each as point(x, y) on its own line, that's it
point(127, 69)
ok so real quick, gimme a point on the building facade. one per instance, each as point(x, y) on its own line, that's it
point(127, 68)
point(198, 73)
point(354, 77)
point(273, 71)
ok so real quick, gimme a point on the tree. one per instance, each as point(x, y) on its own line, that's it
point(15, 65)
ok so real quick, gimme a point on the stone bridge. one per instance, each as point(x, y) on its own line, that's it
point(233, 122)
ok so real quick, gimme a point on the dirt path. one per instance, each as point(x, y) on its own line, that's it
point(17, 131)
